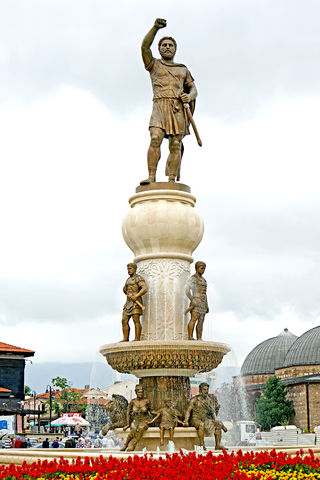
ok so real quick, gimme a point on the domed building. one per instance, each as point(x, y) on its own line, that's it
point(296, 360)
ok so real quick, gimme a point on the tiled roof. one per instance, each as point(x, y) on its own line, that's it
point(6, 348)
point(56, 393)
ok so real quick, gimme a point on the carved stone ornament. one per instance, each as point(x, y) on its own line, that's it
point(175, 356)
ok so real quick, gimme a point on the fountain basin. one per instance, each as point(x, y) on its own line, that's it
point(164, 358)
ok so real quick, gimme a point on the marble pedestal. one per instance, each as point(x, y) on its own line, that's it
point(163, 228)
point(184, 437)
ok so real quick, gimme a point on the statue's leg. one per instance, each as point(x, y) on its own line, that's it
point(171, 433)
point(136, 437)
point(199, 327)
point(125, 326)
point(201, 435)
point(156, 137)
point(191, 324)
point(217, 437)
point(161, 436)
point(129, 438)
point(105, 429)
point(174, 158)
point(137, 326)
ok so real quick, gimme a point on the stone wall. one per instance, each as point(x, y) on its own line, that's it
point(12, 375)
point(297, 371)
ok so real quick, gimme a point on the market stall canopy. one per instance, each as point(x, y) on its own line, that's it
point(69, 420)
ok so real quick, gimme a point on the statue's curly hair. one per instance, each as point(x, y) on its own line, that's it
point(167, 38)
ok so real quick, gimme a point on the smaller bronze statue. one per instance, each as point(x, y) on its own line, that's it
point(169, 419)
point(138, 418)
point(197, 293)
point(117, 410)
point(134, 288)
point(201, 414)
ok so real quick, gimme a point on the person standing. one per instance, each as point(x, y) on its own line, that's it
point(55, 444)
point(17, 443)
point(45, 443)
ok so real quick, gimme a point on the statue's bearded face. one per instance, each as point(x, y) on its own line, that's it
point(167, 49)
point(204, 390)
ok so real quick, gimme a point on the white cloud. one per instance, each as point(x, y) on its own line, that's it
point(75, 103)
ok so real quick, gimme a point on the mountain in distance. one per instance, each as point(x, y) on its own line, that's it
point(95, 374)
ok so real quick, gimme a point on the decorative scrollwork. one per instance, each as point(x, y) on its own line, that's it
point(163, 268)
point(203, 361)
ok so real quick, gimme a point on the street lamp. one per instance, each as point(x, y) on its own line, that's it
point(34, 407)
point(49, 390)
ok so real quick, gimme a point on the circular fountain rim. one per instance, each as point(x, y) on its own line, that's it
point(165, 344)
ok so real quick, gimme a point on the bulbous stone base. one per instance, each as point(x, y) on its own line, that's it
point(169, 358)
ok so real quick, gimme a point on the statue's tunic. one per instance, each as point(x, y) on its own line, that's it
point(132, 287)
point(169, 418)
point(198, 289)
point(169, 81)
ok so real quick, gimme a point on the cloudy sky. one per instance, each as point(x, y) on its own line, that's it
point(75, 102)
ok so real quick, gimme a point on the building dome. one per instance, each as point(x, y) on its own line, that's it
point(305, 350)
point(269, 355)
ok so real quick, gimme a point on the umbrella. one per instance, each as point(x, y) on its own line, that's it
point(69, 421)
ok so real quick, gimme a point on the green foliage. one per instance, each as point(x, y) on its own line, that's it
point(61, 382)
point(273, 408)
point(27, 390)
point(65, 398)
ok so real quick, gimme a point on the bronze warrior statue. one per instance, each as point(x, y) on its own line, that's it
point(169, 419)
point(173, 89)
point(138, 417)
point(197, 293)
point(134, 288)
point(201, 414)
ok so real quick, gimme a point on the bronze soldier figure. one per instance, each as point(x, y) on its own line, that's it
point(134, 288)
point(197, 293)
point(201, 414)
point(173, 86)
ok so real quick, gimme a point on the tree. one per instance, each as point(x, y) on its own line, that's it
point(27, 390)
point(273, 407)
point(66, 399)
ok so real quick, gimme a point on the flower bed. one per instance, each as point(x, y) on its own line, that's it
point(235, 466)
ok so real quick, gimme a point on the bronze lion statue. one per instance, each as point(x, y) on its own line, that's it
point(117, 410)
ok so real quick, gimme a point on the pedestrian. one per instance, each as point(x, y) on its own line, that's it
point(24, 443)
point(55, 444)
point(17, 443)
point(45, 443)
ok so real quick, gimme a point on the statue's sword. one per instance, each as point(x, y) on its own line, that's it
point(190, 118)
point(139, 304)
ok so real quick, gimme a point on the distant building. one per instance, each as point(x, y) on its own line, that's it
point(195, 381)
point(296, 360)
point(12, 365)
